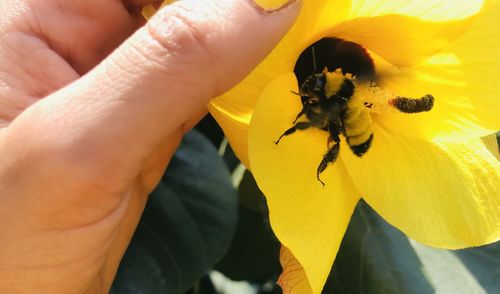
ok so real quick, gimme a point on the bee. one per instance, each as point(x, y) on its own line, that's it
point(330, 103)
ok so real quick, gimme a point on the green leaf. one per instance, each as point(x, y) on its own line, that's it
point(376, 258)
point(484, 264)
point(471, 271)
point(254, 252)
point(210, 129)
point(187, 225)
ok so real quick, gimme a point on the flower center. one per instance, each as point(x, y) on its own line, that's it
point(350, 58)
point(334, 53)
point(334, 101)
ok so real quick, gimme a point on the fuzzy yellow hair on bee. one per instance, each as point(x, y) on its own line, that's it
point(356, 118)
point(330, 104)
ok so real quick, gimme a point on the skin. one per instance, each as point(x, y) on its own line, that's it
point(93, 103)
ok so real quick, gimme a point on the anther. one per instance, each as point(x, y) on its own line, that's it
point(413, 105)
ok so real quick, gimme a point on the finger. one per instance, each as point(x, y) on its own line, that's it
point(190, 52)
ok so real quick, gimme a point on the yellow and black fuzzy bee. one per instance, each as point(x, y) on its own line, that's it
point(330, 104)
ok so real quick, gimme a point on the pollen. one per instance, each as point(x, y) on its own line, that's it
point(335, 80)
point(374, 97)
point(379, 100)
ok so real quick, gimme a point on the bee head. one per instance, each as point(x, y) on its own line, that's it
point(313, 89)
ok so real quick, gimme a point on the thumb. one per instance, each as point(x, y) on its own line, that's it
point(188, 53)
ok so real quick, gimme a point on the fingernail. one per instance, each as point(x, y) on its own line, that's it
point(270, 6)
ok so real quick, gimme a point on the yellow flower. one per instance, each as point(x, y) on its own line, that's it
point(424, 173)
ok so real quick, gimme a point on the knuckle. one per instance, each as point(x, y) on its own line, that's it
point(180, 32)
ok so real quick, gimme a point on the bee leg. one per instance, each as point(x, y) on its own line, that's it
point(297, 126)
point(329, 157)
point(332, 138)
point(301, 113)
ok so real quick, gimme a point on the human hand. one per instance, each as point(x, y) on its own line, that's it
point(85, 136)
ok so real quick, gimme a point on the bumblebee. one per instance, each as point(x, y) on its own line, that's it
point(330, 103)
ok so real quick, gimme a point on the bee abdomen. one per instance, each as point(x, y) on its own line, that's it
point(361, 149)
point(358, 129)
point(413, 105)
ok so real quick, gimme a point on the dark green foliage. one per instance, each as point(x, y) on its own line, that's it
point(474, 270)
point(483, 263)
point(209, 127)
point(186, 227)
point(376, 258)
point(254, 252)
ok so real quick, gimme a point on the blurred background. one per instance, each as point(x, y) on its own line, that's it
point(205, 230)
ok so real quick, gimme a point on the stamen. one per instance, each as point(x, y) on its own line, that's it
point(380, 100)
point(315, 66)
point(413, 105)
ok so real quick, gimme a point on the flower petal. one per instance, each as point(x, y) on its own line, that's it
point(234, 109)
point(442, 10)
point(323, 16)
point(406, 32)
point(441, 194)
point(235, 127)
point(401, 40)
point(149, 10)
point(292, 279)
point(463, 78)
point(307, 218)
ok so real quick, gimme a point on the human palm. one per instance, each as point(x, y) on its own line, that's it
point(45, 46)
